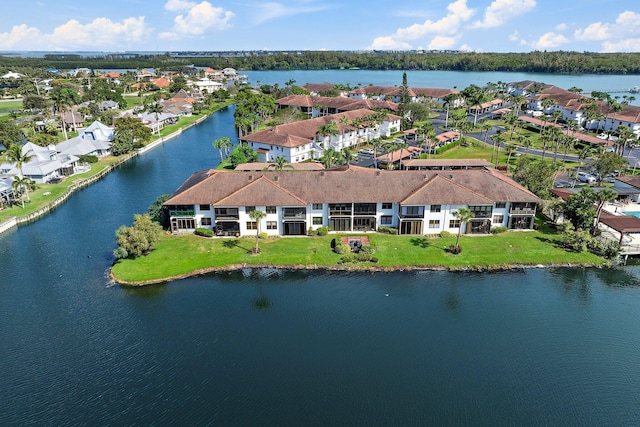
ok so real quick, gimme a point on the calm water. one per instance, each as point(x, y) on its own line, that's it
point(448, 79)
point(518, 348)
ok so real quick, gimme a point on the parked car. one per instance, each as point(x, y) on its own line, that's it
point(585, 177)
point(366, 152)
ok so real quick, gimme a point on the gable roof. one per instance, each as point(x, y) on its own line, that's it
point(261, 192)
point(445, 191)
point(349, 184)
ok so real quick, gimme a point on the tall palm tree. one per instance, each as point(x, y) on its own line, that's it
point(463, 215)
point(511, 149)
point(14, 154)
point(220, 144)
point(281, 164)
point(375, 144)
point(22, 184)
point(328, 129)
point(156, 110)
point(602, 197)
point(257, 216)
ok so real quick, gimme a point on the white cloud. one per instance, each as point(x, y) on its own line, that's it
point(269, 11)
point(515, 36)
point(197, 19)
point(561, 27)
point(626, 45)
point(549, 40)
point(594, 32)
point(101, 33)
point(178, 5)
point(500, 11)
point(444, 32)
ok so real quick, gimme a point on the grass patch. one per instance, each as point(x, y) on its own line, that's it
point(493, 251)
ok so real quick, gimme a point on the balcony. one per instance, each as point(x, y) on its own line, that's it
point(227, 214)
point(182, 213)
point(522, 211)
point(294, 213)
point(481, 214)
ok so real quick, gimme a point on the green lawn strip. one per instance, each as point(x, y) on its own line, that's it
point(496, 251)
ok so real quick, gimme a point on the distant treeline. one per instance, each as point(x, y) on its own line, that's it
point(535, 62)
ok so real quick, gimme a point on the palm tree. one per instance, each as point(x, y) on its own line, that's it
point(602, 197)
point(280, 164)
point(329, 157)
point(220, 145)
point(347, 155)
point(376, 143)
point(328, 129)
point(511, 149)
point(463, 215)
point(498, 139)
point(14, 154)
point(21, 184)
point(155, 109)
point(257, 216)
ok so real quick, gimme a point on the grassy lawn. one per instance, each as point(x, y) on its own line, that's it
point(494, 251)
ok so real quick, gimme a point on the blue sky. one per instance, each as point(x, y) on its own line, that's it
point(476, 25)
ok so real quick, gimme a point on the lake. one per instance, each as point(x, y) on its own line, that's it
point(271, 347)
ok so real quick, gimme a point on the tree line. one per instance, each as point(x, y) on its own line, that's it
point(535, 61)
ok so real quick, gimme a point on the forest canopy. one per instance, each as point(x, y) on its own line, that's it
point(536, 61)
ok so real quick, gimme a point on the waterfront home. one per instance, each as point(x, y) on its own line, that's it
point(7, 195)
point(45, 165)
point(304, 140)
point(445, 164)
point(95, 140)
point(350, 199)
point(315, 106)
point(392, 93)
point(320, 89)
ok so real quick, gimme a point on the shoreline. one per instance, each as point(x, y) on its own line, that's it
point(17, 221)
point(351, 268)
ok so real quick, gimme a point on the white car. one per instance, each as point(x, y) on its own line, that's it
point(585, 177)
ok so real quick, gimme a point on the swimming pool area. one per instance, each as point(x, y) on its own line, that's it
point(636, 214)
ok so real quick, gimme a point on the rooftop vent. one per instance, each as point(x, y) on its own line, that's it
point(275, 178)
point(250, 177)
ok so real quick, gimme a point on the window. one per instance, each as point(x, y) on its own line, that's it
point(498, 219)
point(271, 209)
point(386, 220)
point(434, 223)
point(436, 208)
point(317, 206)
point(205, 207)
point(454, 223)
point(272, 225)
point(501, 205)
point(205, 221)
point(317, 220)
point(387, 206)
point(252, 225)
point(249, 209)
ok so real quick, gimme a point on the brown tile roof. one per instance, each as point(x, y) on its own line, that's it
point(337, 102)
point(397, 155)
point(538, 122)
point(447, 163)
point(442, 190)
point(303, 166)
point(261, 192)
point(621, 223)
point(318, 87)
point(633, 180)
point(448, 136)
point(347, 185)
point(304, 131)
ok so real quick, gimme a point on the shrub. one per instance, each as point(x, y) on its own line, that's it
point(367, 249)
point(498, 230)
point(359, 257)
point(388, 230)
point(445, 234)
point(204, 232)
point(263, 235)
point(138, 239)
point(322, 231)
point(312, 232)
point(86, 158)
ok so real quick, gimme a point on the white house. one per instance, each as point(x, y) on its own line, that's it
point(303, 140)
point(350, 199)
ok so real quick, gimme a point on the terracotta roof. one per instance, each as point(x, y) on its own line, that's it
point(538, 122)
point(397, 155)
point(444, 190)
point(447, 163)
point(302, 166)
point(346, 185)
point(261, 192)
point(337, 102)
point(633, 180)
point(447, 136)
point(621, 223)
point(304, 131)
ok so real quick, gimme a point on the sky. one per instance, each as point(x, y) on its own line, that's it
point(219, 25)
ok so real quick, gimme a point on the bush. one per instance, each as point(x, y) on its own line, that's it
point(341, 249)
point(498, 230)
point(86, 158)
point(312, 232)
point(263, 235)
point(367, 249)
point(322, 231)
point(388, 230)
point(204, 232)
point(359, 257)
point(138, 239)
point(445, 234)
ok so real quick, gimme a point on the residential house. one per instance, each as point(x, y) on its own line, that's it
point(300, 141)
point(315, 106)
point(94, 140)
point(350, 199)
point(46, 164)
